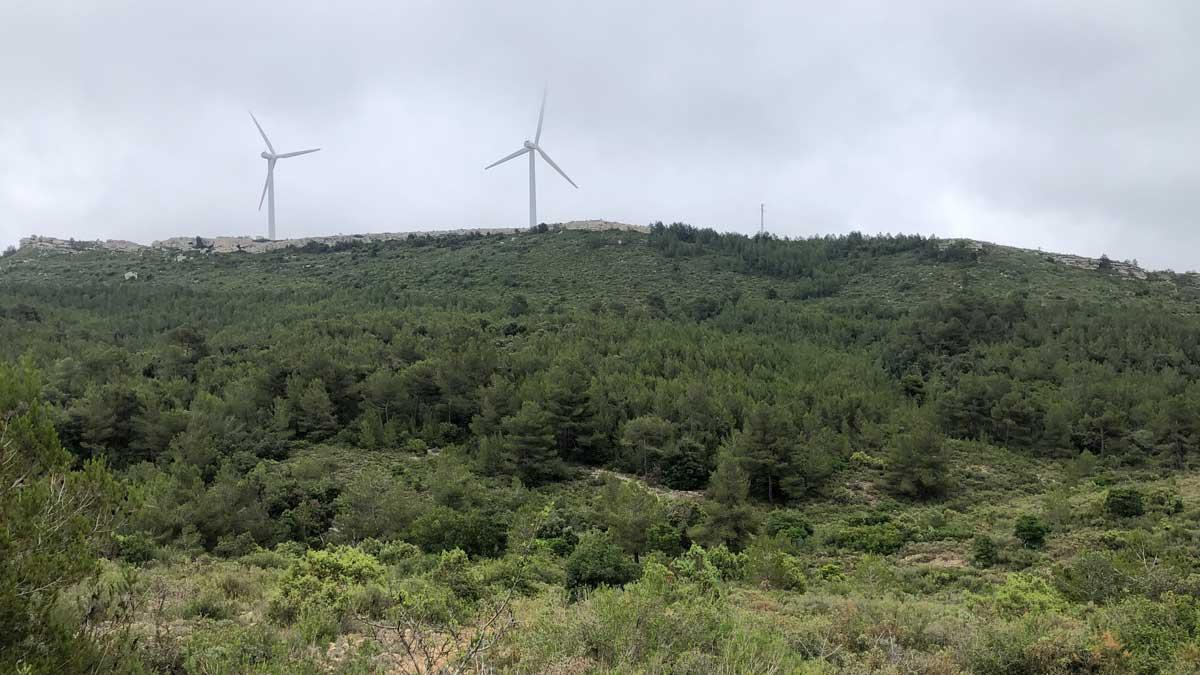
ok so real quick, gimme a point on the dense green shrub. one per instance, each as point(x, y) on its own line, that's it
point(1165, 500)
point(768, 564)
point(1031, 531)
point(233, 546)
point(1035, 643)
point(230, 648)
point(267, 559)
point(789, 523)
point(597, 561)
point(1022, 594)
point(317, 587)
point(831, 572)
point(882, 538)
point(1152, 634)
point(392, 552)
point(730, 565)
point(984, 551)
point(1124, 502)
point(696, 566)
point(136, 548)
point(918, 464)
point(207, 603)
point(1093, 577)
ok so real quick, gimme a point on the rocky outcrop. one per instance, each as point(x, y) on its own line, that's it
point(37, 243)
point(1117, 267)
point(261, 245)
point(968, 244)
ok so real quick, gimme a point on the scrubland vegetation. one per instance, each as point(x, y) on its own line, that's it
point(569, 452)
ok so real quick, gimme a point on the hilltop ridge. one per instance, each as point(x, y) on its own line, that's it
point(247, 244)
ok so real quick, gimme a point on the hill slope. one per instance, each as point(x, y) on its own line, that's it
point(918, 456)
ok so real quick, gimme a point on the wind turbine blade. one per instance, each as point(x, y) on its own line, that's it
point(295, 154)
point(541, 115)
point(505, 159)
point(266, 184)
point(560, 171)
point(262, 133)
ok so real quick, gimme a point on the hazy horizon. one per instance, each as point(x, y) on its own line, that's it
point(1065, 125)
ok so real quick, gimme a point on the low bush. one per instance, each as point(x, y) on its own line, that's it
point(730, 565)
point(877, 538)
point(317, 587)
point(789, 523)
point(207, 603)
point(1035, 643)
point(831, 572)
point(1092, 577)
point(390, 552)
point(230, 648)
point(235, 546)
point(136, 548)
point(1152, 636)
point(1031, 531)
point(597, 561)
point(1124, 502)
point(266, 559)
point(659, 623)
point(696, 566)
point(984, 551)
point(1166, 501)
point(1022, 594)
point(768, 564)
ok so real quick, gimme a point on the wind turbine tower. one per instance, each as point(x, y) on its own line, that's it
point(533, 148)
point(268, 192)
point(762, 218)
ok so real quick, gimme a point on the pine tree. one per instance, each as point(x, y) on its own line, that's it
point(371, 430)
point(529, 445)
point(686, 464)
point(313, 412)
point(810, 462)
point(106, 417)
point(1103, 429)
point(644, 438)
point(496, 401)
point(1015, 421)
point(53, 524)
point(918, 465)
point(383, 390)
point(913, 385)
point(568, 403)
point(1177, 428)
point(728, 517)
point(629, 512)
point(763, 447)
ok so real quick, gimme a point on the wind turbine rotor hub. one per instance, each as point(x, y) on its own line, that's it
point(267, 155)
point(530, 145)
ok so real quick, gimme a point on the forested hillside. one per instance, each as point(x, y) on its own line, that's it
point(571, 452)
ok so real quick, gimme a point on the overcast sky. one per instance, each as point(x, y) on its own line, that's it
point(1071, 126)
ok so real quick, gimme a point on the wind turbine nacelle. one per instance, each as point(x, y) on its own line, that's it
point(530, 145)
point(266, 155)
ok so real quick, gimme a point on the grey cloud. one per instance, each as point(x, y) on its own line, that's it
point(1067, 125)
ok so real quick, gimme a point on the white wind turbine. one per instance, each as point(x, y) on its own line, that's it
point(269, 187)
point(531, 148)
